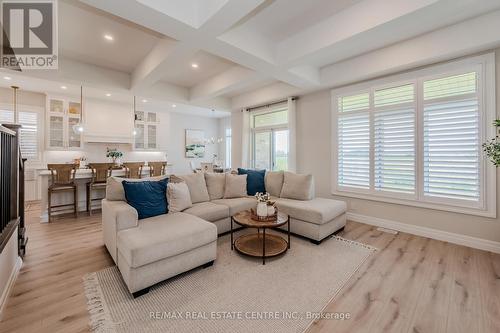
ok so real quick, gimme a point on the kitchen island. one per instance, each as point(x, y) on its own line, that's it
point(82, 177)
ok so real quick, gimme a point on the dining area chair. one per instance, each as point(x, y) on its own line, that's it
point(133, 169)
point(157, 168)
point(100, 174)
point(62, 180)
point(207, 167)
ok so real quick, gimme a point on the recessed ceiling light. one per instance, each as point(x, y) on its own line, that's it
point(64, 87)
point(144, 100)
point(174, 106)
point(108, 37)
point(194, 65)
point(108, 95)
point(8, 78)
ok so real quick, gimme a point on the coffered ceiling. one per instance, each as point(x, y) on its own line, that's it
point(226, 54)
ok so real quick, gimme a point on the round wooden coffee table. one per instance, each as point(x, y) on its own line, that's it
point(260, 244)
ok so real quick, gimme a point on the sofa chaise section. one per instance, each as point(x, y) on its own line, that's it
point(163, 246)
point(315, 219)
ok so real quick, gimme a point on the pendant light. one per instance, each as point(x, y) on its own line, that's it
point(134, 132)
point(78, 128)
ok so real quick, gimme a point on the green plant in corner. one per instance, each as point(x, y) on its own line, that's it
point(492, 147)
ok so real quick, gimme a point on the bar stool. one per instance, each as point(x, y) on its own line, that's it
point(100, 174)
point(133, 169)
point(63, 180)
point(157, 168)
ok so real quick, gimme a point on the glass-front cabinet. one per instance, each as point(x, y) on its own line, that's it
point(63, 114)
point(145, 128)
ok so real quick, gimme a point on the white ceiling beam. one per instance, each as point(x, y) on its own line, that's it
point(455, 41)
point(231, 80)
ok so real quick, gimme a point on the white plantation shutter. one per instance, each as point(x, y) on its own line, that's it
point(395, 150)
point(451, 138)
point(416, 138)
point(354, 147)
point(29, 134)
point(28, 131)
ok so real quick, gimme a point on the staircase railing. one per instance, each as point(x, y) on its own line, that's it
point(11, 188)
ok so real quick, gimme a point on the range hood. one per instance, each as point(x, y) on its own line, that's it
point(99, 138)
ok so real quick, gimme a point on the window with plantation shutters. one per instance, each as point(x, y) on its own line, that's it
point(394, 139)
point(354, 141)
point(29, 136)
point(451, 137)
point(416, 138)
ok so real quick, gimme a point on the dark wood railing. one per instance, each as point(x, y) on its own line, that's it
point(11, 188)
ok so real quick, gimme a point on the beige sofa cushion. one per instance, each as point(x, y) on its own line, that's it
point(178, 197)
point(237, 205)
point(317, 210)
point(114, 186)
point(274, 182)
point(298, 187)
point(197, 187)
point(209, 211)
point(164, 236)
point(236, 186)
point(216, 183)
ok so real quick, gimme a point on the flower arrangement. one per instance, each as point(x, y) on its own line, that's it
point(114, 154)
point(262, 197)
point(492, 147)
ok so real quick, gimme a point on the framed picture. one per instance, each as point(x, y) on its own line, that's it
point(195, 143)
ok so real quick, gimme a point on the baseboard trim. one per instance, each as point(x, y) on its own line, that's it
point(10, 284)
point(450, 237)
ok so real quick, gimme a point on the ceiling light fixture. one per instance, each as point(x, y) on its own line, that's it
point(144, 100)
point(108, 37)
point(174, 106)
point(108, 95)
point(194, 65)
point(8, 78)
point(64, 87)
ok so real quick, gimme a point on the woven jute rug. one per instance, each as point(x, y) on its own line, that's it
point(236, 294)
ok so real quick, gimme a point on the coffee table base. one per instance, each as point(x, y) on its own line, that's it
point(251, 245)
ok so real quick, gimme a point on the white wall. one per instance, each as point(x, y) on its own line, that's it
point(176, 151)
point(314, 148)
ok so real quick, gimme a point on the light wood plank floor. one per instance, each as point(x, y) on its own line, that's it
point(412, 284)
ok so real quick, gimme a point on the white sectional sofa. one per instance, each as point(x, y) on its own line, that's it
point(154, 249)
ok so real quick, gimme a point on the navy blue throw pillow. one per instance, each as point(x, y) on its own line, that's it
point(148, 197)
point(255, 180)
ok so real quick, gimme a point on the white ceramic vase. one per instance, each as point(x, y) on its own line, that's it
point(262, 209)
point(270, 210)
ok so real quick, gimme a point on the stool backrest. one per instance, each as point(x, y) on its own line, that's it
point(133, 169)
point(157, 168)
point(100, 172)
point(62, 174)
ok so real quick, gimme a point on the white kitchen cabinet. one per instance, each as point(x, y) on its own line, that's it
point(146, 126)
point(62, 115)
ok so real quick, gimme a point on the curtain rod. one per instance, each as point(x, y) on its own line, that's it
point(270, 104)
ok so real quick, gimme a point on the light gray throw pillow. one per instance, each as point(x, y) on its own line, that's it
point(216, 183)
point(298, 187)
point(178, 197)
point(274, 182)
point(197, 187)
point(236, 186)
point(114, 186)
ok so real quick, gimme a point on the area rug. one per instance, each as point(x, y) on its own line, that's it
point(236, 294)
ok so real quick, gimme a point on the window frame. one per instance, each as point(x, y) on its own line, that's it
point(484, 65)
point(271, 129)
point(40, 128)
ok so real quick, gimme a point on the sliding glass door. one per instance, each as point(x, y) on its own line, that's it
point(271, 149)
